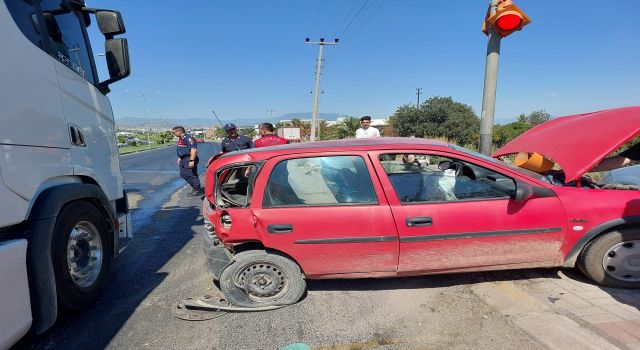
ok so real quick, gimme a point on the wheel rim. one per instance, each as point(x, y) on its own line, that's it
point(262, 281)
point(622, 261)
point(84, 254)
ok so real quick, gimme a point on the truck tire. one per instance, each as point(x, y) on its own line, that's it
point(81, 254)
point(257, 278)
point(613, 259)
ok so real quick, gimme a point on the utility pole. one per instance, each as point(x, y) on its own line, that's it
point(270, 111)
point(146, 115)
point(418, 90)
point(316, 96)
point(503, 18)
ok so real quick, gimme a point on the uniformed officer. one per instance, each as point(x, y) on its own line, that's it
point(268, 136)
point(234, 141)
point(188, 160)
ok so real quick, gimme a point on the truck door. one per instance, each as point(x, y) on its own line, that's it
point(88, 112)
point(34, 138)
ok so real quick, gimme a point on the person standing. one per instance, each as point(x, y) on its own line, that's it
point(234, 141)
point(187, 151)
point(268, 136)
point(366, 130)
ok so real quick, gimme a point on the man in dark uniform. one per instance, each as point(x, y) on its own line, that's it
point(268, 136)
point(234, 141)
point(188, 160)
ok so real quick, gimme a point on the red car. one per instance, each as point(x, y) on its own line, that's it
point(403, 206)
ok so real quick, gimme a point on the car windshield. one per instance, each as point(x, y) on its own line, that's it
point(497, 161)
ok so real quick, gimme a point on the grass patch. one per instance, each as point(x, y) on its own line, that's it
point(138, 148)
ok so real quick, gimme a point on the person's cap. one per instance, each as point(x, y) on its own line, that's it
point(229, 127)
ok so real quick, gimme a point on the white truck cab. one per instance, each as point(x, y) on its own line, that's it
point(61, 190)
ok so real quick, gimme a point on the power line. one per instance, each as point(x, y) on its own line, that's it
point(369, 79)
point(366, 21)
point(353, 6)
point(356, 16)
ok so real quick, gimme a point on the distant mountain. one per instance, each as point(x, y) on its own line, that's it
point(190, 123)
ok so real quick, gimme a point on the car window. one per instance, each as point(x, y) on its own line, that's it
point(500, 162)
point(419, 178)
point(235, 185)
point(67, 41)
point(320, 181)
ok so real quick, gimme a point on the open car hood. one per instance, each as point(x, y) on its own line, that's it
point(578, 142)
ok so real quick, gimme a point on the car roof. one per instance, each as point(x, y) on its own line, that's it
point(263, 153)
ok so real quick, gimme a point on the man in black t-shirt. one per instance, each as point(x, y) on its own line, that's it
point(630, 155)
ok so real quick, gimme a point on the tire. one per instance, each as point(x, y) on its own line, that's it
point(613, 259)
point(281, 278)
point(81, 255)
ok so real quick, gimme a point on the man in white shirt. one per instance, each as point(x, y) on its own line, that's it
point(366, 130)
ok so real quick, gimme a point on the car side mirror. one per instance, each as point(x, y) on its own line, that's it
point(523, 192)
point(110, 23)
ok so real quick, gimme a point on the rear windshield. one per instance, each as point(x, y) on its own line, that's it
point(234, 185)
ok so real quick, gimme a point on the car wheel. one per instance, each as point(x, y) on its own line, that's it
point(257, 278)
point(81, 255)
point(613, 259)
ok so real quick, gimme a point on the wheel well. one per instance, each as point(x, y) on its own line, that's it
point(255, 245)
point(575, 254)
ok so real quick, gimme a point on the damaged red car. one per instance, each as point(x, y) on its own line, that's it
point(385, 207)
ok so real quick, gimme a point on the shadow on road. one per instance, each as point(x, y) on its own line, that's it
point(136, 276)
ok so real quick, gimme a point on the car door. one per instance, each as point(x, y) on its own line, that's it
point(461, 215)
point(327, 213)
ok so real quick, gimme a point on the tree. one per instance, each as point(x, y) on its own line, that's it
point(438, 117)
point(347, 127)
point(163, 137)
point(249, 132)
point(505, 133)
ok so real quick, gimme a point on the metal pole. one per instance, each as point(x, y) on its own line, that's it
point(316, 96)
point(146, 115)
point(490, 83)
point(418, 93)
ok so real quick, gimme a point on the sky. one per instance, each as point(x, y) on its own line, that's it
point(248, 59)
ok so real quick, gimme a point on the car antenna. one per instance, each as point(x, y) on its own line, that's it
point(222, 125)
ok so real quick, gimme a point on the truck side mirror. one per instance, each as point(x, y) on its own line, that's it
point(117, 54)
point(110, 23)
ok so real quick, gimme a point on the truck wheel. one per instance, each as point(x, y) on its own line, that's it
point(613, 259)
point(81, 255)
point(257, 278)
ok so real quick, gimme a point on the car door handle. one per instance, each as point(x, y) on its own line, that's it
point(280, 228)
point(419, 221)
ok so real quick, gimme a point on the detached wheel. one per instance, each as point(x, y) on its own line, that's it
point(258, 278)
point(613, 259)
point(81, 255)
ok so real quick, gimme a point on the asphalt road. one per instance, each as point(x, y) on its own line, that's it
point(164, 264)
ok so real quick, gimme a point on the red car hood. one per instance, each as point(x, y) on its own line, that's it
point(578, 142)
